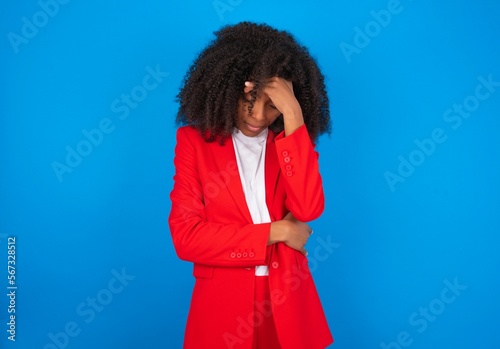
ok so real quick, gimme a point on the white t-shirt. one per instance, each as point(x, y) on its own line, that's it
point(250, 157)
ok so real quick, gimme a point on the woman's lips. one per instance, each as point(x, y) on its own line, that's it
point(254, 128)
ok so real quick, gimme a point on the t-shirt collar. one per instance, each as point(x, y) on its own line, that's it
point(260, 138)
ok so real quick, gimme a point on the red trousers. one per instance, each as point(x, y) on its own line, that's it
point(265, 336)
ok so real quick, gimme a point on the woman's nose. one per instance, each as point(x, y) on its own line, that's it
point(258, 112)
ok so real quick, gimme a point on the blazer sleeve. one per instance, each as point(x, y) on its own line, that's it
point(198, 240)
point(300, 172)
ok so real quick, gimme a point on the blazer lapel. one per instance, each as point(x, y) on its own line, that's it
point(225, 159)
point(271, 169)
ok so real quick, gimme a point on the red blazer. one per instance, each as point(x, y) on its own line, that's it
point(211, 226)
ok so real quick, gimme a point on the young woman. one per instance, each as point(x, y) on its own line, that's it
point(252, 105)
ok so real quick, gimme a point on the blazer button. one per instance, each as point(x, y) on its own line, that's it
point(251, 254)
point(275, 265)
point(287, 159)
point(288, 167)
point(233, 254)
point(289, 173)
point(245, 255)
point(284, 153)
point(238, 255)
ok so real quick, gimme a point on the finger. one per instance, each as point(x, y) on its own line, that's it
point(276, 80)
point(273, 79)
point(278, 85)
point(248, 86)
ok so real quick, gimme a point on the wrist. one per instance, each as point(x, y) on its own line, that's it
point(293, 112)
point(278, 232)
point(292, 119)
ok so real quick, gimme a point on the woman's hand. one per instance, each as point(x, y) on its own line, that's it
point(291, 232)
point(280, 92)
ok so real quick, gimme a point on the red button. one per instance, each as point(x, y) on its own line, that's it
point(288, 167)
point(287, 159)
point(275, 265)
point(284, 153)
point(245, 255)
point(233, 254)
point(289, 173)
point(251, 255)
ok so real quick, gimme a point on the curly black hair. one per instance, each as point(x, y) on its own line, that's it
point(213, 85)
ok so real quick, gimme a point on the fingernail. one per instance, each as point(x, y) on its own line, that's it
point(247, 83)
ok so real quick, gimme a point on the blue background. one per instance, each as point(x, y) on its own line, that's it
point(396, 247)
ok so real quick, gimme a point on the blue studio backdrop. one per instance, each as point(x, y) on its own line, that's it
point(406, 252)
